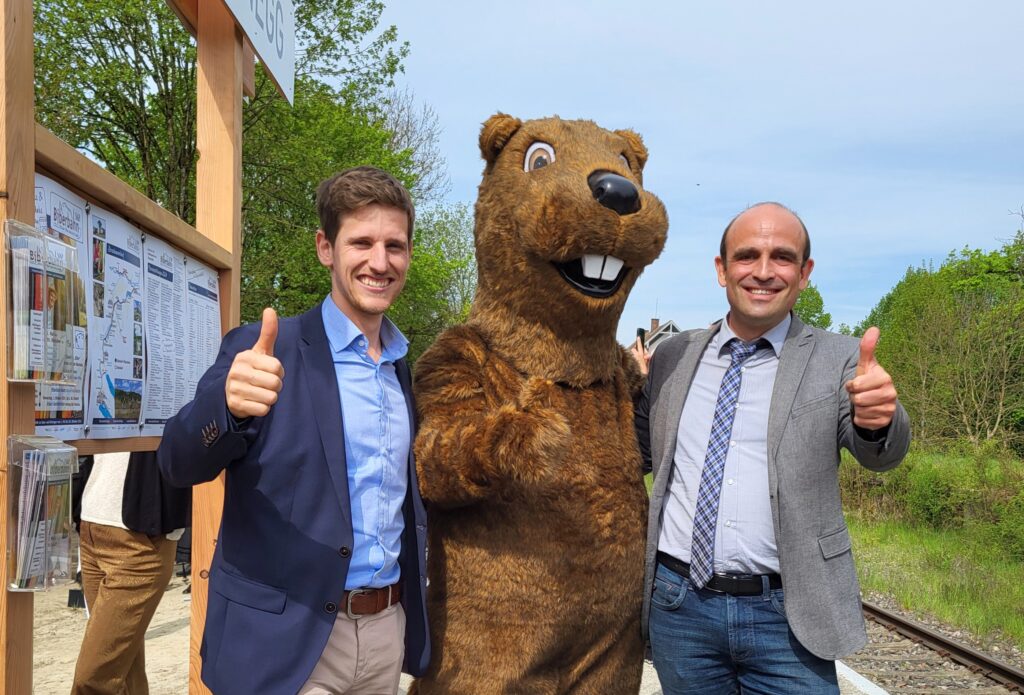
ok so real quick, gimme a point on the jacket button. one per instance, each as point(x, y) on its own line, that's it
point(344, 551)
point(330, 607)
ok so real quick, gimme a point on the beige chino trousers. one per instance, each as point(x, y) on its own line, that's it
point(124, 575)
point(363, 655)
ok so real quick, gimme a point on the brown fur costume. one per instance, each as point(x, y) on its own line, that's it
point(526, 452)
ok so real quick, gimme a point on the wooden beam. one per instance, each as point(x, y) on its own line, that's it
point(64, 163)
point(188, 13)
point(17, 401)
point(248, 69)
point(218, 216)
point(106, 446)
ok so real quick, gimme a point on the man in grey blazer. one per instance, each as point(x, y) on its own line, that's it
point(751, 582)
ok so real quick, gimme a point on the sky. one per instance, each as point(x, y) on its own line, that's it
point(895, 129)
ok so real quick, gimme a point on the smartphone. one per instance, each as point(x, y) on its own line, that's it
point(641, 333)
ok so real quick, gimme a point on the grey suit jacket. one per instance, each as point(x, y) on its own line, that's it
point(809, 423)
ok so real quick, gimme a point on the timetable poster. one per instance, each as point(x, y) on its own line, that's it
point(115, 301)
point(60, 408)
point(165, 326)
point(203, 321)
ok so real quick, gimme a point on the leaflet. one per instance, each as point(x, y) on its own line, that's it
point(117, 364)
point(28, 281)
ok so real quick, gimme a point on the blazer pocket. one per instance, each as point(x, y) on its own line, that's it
point(834, 543)
point(248, 592)
point(828, 399)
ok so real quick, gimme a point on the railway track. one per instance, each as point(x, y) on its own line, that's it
point(924, 666)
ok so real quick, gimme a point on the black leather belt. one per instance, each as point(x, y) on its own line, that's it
point(735, 584)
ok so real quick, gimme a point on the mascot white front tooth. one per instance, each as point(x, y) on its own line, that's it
point(612, 266)
point(592, 264)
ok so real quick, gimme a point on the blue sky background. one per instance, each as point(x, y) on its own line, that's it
point(895, 129)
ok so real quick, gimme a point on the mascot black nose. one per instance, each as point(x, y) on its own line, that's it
point(614, 192)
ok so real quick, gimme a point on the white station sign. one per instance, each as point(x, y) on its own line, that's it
point(270, 26)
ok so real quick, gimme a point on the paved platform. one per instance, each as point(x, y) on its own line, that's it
point(850, 682)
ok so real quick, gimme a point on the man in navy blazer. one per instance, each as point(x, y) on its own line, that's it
point(317, 583)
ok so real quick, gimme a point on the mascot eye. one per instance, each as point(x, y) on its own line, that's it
point(538, 156)
point(625, 161)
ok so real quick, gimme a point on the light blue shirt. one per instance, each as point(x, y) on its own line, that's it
point(377, 439)
point(745, 534)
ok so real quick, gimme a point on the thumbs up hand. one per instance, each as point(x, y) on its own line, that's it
point(255, 378)
point(872, 393)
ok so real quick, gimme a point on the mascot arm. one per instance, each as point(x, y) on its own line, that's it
point(635, 379)
point(471, 442)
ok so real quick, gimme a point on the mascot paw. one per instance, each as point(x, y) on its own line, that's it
point(538, 392)
point(537, 434)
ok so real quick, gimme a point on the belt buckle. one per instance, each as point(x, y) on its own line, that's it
point(348, 601)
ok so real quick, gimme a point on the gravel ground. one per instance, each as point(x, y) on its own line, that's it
point(905, 668)
point(890, 660)
point(998, 648)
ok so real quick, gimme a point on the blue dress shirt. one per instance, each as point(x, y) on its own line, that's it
point(745, 533)
point(377, 439)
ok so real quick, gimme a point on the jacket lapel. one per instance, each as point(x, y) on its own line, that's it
point(792, 363)
point(676, 388)
point(318, 368)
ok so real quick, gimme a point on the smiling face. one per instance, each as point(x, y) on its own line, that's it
point(563, 215)
point(368, 260)
point(763, 271)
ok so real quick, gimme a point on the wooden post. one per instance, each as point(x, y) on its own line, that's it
point(17, 401)
point(219, 217)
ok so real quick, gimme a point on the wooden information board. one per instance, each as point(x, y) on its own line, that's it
point(225, 67)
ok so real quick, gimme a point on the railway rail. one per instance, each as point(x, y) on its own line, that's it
point(1006, 675)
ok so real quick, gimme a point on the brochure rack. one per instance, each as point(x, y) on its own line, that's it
point(45, 293)
point(40, 549)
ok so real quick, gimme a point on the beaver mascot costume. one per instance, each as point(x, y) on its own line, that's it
point(526, 452)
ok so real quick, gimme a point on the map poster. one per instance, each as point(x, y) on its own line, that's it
point(115, 302)
point(60, 408)
point(203, 321)
point(165, 327)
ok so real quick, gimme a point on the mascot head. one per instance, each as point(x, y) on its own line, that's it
point(564, 228)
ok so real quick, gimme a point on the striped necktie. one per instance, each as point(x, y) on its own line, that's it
point(705, 518)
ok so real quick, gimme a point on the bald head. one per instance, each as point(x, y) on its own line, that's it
point(757, 208)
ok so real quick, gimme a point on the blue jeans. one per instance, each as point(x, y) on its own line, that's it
point(719, 644)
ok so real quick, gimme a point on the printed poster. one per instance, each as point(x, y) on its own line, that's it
point(164, 327)
point(203, 322)
point(115, 301)
point(60, 408)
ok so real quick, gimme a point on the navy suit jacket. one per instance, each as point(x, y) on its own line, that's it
point(285, 540)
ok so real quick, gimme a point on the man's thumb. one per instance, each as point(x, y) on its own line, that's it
point(268, 333)
point(867, 350)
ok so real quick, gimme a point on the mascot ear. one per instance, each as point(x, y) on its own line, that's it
point(495, 134)
point(636, 143)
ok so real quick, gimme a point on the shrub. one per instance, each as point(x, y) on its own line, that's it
point(1010, 527)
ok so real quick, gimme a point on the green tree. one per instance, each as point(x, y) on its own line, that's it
point(953, 339)
point(117, 80)
point(810, 307)
point(442, 277)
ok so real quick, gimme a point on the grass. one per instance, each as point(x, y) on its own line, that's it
point(951, 574)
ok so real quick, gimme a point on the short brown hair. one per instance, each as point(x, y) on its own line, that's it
point(355, 188)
